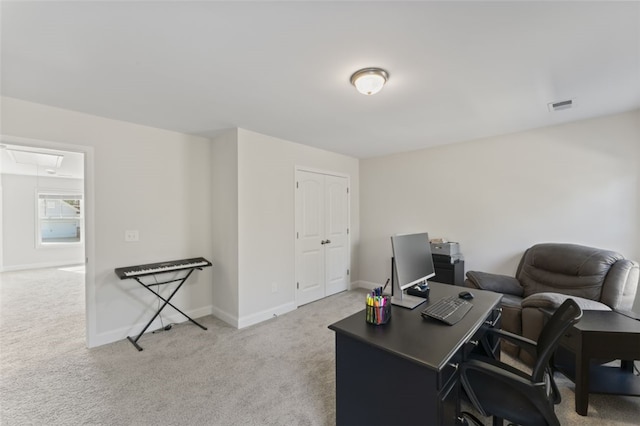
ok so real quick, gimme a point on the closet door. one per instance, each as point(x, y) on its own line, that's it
point(336, 225)
point(322, 243)
point(309, 237)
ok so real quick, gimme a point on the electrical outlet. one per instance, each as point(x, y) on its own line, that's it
point(274, 287)
point(131, 236)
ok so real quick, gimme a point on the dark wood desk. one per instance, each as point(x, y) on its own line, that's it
point(600, 335)
point(405, 372)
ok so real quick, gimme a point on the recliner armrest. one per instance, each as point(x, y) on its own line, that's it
point(495, 282)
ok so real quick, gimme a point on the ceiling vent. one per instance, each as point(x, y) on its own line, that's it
point(558, 106)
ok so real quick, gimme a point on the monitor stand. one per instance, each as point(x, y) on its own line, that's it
point(407, 301)
point(399, 297)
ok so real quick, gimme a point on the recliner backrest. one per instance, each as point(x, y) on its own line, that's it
point(569, 269)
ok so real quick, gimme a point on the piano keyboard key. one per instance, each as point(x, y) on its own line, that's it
point(157, 268)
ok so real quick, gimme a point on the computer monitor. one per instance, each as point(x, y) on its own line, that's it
point(413, 265)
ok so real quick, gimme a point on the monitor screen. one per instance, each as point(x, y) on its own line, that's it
point(412, 257)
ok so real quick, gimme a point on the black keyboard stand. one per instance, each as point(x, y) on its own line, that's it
point(166, 302)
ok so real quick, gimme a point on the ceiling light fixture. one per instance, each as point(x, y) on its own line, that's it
point(369, 81)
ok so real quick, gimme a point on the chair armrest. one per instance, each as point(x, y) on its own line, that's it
point(524, 343)
point(495, 282)
point(551, 301)
point(497, 369)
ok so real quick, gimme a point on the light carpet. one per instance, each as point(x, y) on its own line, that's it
point(279, 372)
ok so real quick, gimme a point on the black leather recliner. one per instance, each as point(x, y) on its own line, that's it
point(550, 273)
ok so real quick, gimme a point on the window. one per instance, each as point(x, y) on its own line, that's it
point(60, 218)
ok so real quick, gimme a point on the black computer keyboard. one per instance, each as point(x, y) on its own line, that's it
point(449, 310)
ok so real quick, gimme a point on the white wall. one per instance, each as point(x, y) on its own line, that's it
point(575, 183)
point(224, 166)
point(19, 216)
point(265, 221)
point(1, 221)
point(140, 178)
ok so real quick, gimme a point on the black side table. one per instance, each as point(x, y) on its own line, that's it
point(600, 335)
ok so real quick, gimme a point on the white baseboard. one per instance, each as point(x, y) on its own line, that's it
point(43, 265)
point(134, 330)
point(225, 316)
point(177, 318)
point(266, 314)
point(253, 318)
point(370, 285)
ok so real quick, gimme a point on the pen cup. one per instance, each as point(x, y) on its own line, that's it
point(378, 310)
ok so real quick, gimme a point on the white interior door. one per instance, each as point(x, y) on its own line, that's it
point(309, 237)
point(336, 225)
point(322, 248)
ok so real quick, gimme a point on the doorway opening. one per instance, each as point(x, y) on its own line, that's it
point(43, 224)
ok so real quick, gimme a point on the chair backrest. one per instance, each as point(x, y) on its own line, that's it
point(569, 269)
point(564, 317)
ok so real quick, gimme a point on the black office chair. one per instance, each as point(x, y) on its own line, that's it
point(504, 392)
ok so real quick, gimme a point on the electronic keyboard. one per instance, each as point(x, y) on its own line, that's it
point(158, 268)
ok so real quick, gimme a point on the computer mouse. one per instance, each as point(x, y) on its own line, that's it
point(465, 295)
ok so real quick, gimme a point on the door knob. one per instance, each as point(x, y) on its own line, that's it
point(328, 242)
point(325, 242)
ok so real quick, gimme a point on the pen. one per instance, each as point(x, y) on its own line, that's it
point(386, 284)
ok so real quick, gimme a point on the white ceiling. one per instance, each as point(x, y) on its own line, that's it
point(458, 70)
